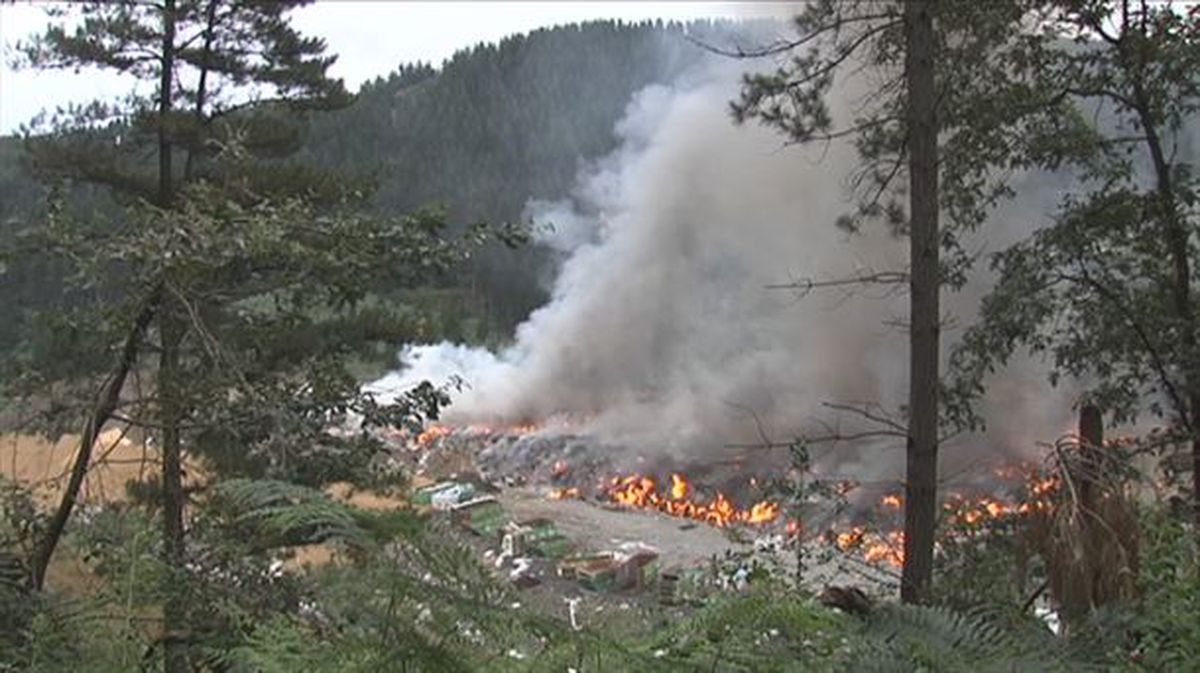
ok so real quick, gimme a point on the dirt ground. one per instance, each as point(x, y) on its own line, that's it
point(681, 544)
point(678, 541)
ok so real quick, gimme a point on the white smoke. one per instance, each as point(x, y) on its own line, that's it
point(661, 330)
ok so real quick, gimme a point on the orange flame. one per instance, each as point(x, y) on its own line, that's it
point(569, 493)
point(433, 432)
point(961, 511)
point(875, 548)
point(641, 492)
point(679, 486)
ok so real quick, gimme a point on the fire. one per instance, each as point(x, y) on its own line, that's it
point(886, 549)
point(522, 429)
point(874, 547)
point(516, 429)
point(964, 514)
point(679, 486)
point(433, 432)
point(569, 493)
point(763, 512)
point(1044, 487)
point(642, 492)
point(850, 539)
point(436, 431)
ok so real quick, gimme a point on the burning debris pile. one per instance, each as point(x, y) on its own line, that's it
point(561, 464)
point(881, 540)
point(571, 466)
point(641, 492)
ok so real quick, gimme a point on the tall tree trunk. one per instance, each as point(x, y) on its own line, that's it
point(1179, 244)
point(165, 96)
point(106, 403)
point(171, 408)
point(920, 510)
point(175, 659)
point(1196, 469)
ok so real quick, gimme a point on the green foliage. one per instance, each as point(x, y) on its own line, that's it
point(988, 566)
point(276, 514)
point(499, 124)
point(227, 295)
point(1167, 631)
point(769, 629)
point(902, 637)
point(54, 632)
point(18, 526)
point(269, 297)
point(1103, 291)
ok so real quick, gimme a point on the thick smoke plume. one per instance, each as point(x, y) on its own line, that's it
point(663, 334)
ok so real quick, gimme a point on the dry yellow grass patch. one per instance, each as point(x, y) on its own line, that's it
point(44, 466)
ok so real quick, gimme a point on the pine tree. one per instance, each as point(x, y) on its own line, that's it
point(234, 280)
point(952, 110)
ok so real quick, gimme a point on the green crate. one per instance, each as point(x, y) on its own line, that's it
point(554, 546)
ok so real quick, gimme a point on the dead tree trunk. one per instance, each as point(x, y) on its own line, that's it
point(921, 475)
point(1091, 543)
point(1091, 443)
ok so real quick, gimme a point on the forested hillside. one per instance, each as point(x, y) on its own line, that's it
point(496, 125)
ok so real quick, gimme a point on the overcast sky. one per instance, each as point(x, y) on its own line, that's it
point(370, 39)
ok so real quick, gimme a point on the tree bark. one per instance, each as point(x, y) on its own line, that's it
point(170, 394)
point(920, 511)
point(165, 96)
point(175, 659)
point(210, 24)
point(106, 403)
point(1178, 242)
point(1091, 439)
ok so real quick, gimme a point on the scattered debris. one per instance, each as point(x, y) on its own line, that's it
point(443, 495)
point(522, 574)
point(572, 612)
point(453, 494)
point(537, 536)
point(482, 516)
point(611, 570)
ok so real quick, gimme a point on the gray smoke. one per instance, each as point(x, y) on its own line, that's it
point(662, 334)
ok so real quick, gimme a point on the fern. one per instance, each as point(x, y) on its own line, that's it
point(769, 629)
point(906, 638)
point(276, 513)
